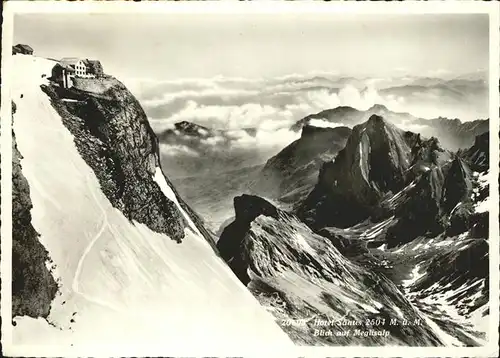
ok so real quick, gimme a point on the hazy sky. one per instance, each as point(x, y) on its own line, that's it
point(169, 46)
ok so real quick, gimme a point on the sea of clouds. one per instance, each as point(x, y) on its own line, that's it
point(270, 106)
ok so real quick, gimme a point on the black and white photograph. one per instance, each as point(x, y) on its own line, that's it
point(232, 182)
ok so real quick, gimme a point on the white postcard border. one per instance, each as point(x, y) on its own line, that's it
point(269, 7)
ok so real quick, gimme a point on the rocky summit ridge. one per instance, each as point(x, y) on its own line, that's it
point(378, 158)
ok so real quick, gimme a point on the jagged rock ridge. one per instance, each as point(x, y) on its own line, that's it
point(443, 200)
point(478, 155)
point(378, 158)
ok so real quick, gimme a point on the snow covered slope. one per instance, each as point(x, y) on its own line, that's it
point(123, 286)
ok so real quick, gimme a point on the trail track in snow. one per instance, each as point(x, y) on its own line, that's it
point(104, 225)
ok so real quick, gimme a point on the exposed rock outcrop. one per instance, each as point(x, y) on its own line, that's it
point(478, 155)
point(375, 160)
point(33, 285)
point(443, 200)
point(248, 207)
point(385, 172)
point(457, 186)
point(349, 247)
point(231, 244)
point(302, 276)
point(421, 214)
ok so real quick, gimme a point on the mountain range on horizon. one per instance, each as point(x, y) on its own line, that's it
point(292, 172)
point(478, 80)
point(347, 116)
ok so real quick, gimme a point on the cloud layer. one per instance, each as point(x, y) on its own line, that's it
point(272, 106)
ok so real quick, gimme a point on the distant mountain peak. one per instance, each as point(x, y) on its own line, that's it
point(378, 107)
point(191, 128)
point(344, 108)
point(454, 121)
point(185, 124)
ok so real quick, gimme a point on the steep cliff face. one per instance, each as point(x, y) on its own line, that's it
point(375, 160)
point(458, 184)
point(292, 173)
point(421, 213)
point(446, 198)
point(372, 174)
point(127, 251)
point(410, 185)
point(112, 135)
point(478, 155)
point(33, 286)
point(232, 243)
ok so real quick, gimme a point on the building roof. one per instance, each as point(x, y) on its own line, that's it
point(70, 61)
point(24, 47)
